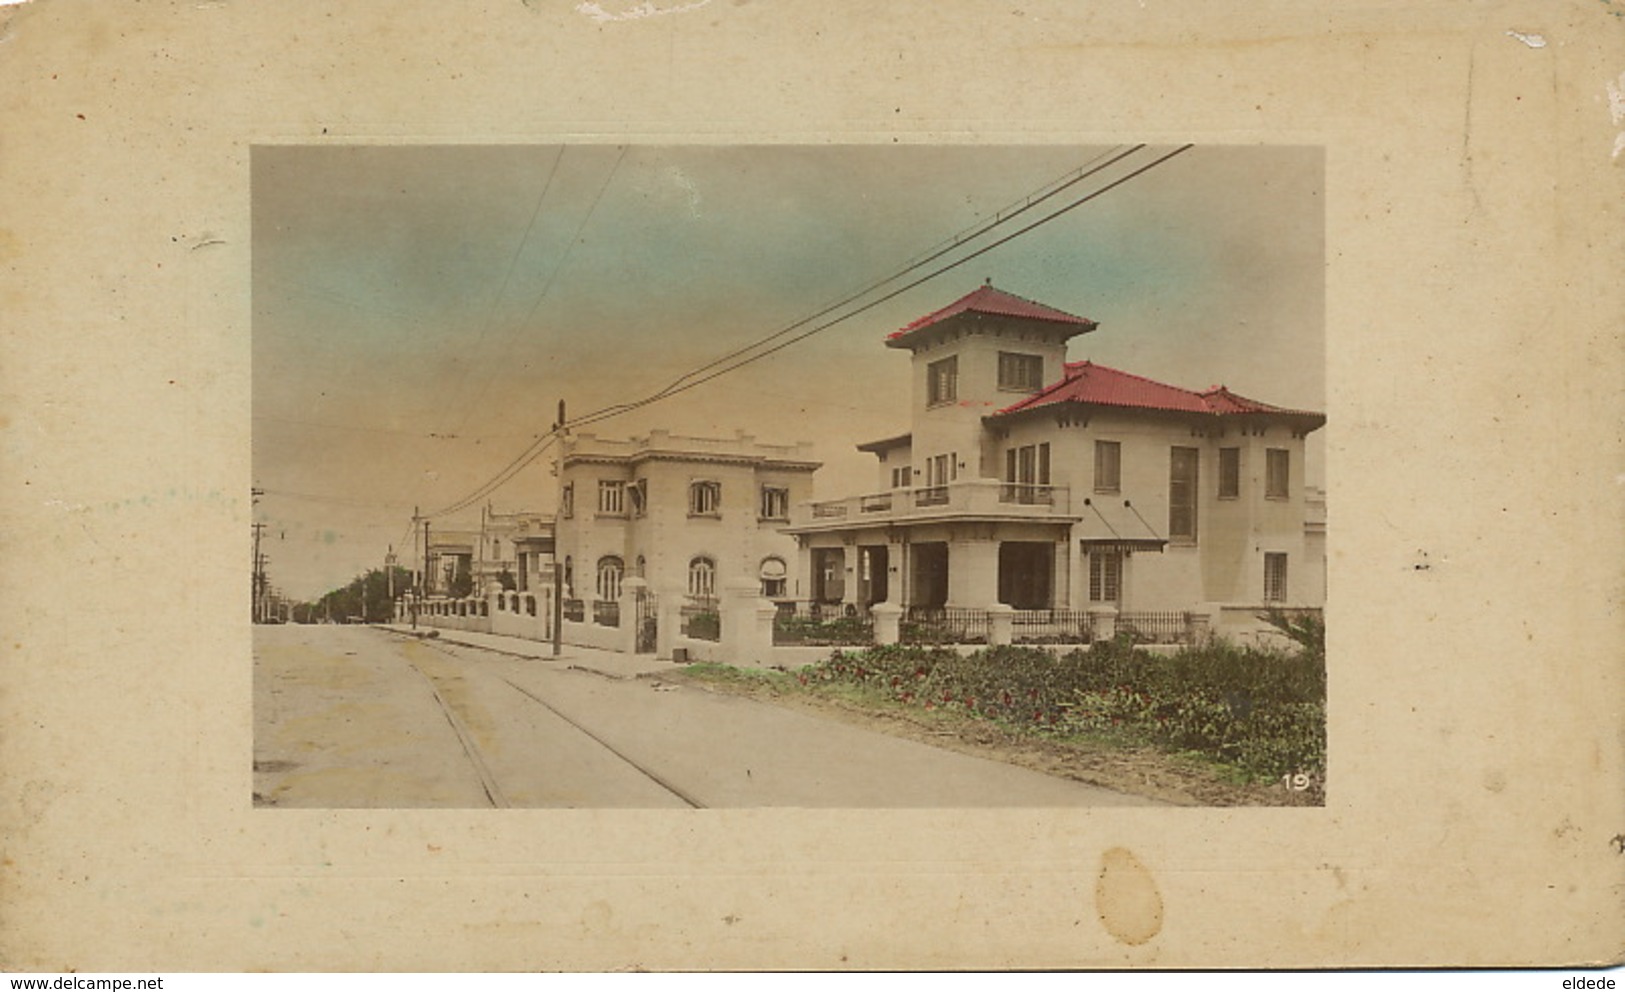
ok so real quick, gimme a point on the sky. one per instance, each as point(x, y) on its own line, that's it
point(420, 311)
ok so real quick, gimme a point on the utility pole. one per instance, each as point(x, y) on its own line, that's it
point(558, 567)
point(257, 576)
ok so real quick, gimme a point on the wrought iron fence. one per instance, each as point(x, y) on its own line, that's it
point(701, 619)
point(1164, 627)
point(606, 613)
point(1051, 627)
point(943, 625)
point(816, 624)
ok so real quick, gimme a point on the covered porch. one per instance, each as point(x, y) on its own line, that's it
point(1023, 565)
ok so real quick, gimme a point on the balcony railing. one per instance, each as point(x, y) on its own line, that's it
point(979, 497)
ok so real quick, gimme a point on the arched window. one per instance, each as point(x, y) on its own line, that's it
point(702, 578)
point(642, 568)
point(610, 570)
point(569, 576)
point(774, 577)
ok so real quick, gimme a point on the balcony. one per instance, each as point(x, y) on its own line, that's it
point(983, 499)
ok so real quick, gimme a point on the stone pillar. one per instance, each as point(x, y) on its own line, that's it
point(627, 634)
point(888, 619)
point(1001, 619)
point(1103, 620)
point(747, 625)
point(670, 606)
point(1202, 624)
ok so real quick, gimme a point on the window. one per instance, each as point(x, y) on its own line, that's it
point(567, 500)
point(705, 499)
point(939, 471)
point(610, 570)
point(774, 578)
point(1182, 495)
point(1023, 372)
point(902, 478)
point(637, 494)
point(775, 503)
point(942, 381)
point(1026, 469)
point(1277, 473)
point(642, 567)
point(569, 575)
point(1274, 576)
point(1229, 473)
point(1105, 576)
point(1108, 466)
point(612, 497)
point(702, 578)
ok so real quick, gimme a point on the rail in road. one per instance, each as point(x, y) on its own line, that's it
point(358, 717)
point(488, 782)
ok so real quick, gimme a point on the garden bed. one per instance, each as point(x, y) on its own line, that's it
point(1218, 725)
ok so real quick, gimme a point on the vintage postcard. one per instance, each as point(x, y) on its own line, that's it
point(556, 486)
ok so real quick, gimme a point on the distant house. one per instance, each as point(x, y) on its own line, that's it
point(450, 553)
point(519, 545)
point(1040, 483)
point(688, 515)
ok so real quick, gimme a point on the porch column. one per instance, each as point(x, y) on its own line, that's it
point(803, 575)
point(896, 570)
point(850, 594)
point(973, 572)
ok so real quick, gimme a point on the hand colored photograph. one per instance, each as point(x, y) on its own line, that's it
point(849, 476)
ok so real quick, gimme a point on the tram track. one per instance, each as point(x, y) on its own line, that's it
point(488, 782)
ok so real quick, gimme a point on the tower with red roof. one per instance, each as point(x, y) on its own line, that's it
point(1036, 483)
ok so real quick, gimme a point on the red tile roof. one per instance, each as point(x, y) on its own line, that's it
point(986, 299)
point(1086, 382)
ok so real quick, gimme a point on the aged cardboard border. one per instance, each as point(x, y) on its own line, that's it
point(1476, 581)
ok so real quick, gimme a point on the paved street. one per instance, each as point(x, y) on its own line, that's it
point(351, 716)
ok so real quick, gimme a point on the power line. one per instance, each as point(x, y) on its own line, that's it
point(999, 217)
point(569, 248)
point(607, 412)
point(513, 262)
point(686, 382)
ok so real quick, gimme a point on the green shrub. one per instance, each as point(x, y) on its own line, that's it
point(1260, 711)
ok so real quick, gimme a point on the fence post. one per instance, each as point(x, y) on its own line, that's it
point(747, 624)
point(627, 605)
point(1103, 622)
point(668, 621)
point(1001, 619)
point(888, 619)
point(1201, 626)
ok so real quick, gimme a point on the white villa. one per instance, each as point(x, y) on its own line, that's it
point(688, 515)
point(1038, 483)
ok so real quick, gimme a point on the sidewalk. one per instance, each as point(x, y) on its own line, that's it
point(613, 664)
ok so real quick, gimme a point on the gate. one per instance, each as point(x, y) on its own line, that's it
point(647, 619)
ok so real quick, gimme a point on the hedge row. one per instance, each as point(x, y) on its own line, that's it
point(1260, 711)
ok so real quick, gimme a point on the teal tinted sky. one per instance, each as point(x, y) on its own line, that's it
point(419, 311)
